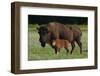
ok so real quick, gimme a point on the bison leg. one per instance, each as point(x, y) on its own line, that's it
point(73, 46)
point(80, 45)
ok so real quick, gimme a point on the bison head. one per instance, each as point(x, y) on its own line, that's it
point(43, 33)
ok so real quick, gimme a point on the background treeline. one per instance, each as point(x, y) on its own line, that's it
point(40, 19)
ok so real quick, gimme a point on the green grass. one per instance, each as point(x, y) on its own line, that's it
point(36, 52)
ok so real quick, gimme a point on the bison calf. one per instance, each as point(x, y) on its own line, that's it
point(60, 43)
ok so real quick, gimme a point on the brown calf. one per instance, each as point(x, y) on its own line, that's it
point(60, 43)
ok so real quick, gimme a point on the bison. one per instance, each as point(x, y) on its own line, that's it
point(56, 30)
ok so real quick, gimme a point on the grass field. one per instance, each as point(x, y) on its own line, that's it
point(36, 52)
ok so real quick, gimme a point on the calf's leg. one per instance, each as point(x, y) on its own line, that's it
point(57, 50)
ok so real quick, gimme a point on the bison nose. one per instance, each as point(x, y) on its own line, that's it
point(43, 45)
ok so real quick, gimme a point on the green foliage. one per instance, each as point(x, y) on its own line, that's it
point(32, 27)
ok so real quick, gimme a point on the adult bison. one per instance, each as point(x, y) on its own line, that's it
point(55, 30)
